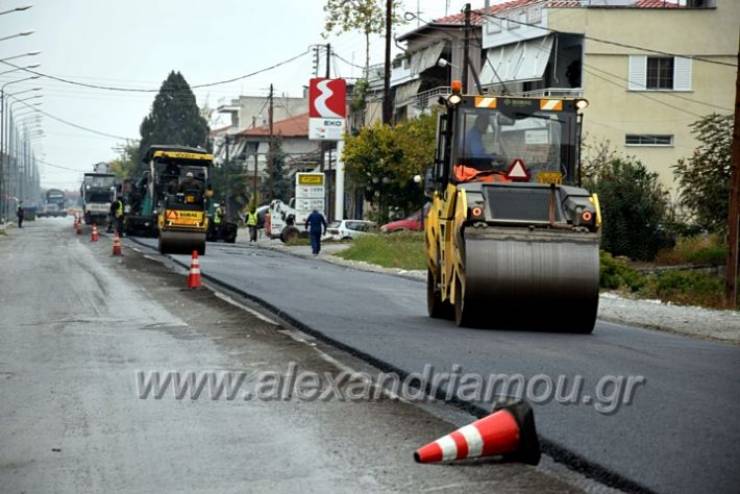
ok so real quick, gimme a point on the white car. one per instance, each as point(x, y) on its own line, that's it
point(349, 229)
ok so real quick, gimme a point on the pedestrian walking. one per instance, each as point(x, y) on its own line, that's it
point(316, 226)
point(20, 213)
point(252, 224)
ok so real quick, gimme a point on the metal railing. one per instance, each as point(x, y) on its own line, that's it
point(552, 92)
point(423, 99)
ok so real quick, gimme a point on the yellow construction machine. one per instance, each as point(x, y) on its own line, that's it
point(512, 238)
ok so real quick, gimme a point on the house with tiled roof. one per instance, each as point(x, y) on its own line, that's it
point(648, 67)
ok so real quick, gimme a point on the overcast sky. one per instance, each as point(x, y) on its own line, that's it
point(135, 43)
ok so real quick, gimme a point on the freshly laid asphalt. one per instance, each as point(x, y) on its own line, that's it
point(680, 433)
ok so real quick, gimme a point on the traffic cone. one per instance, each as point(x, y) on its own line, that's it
point(509, 432)
point(194, 276)
point(78, 226)
point(117, 245)
point(94, 234)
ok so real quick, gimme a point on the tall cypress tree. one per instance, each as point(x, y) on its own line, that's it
point(174, 118)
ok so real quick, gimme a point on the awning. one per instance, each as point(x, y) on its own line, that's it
point(523, 61)
point(426, 58)
point(406, 92)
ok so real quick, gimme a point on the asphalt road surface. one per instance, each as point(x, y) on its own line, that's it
point(680, 433)
point(76, 325)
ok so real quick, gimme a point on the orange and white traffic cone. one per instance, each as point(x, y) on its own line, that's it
point(94, 236)
point(509, 432)
point(78, 226)
point(117, 245)
point(194, 276)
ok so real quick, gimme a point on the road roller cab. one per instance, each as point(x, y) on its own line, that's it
point(176, 196)
point(512, 238)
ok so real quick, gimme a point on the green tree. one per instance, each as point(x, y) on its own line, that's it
point(704, 178)
point(174, 118)
point(633, 205)
point(127, 162)
point(276, 185)
point(230, 185)
point(383, 161)
point(367, 16)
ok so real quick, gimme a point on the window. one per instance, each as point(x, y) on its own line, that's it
point(659, 73)
point(493, 26)
point(513, 22)
point(648, 140)
point(534, 14)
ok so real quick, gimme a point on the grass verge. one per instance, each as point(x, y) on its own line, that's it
point(406, 251)
point(396, 250)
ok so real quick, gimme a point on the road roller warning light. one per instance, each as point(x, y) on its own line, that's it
point(509, 226)
point(509, 431)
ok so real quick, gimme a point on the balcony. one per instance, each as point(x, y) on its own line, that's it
point(552, 92)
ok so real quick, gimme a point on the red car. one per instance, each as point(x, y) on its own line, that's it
point(414, 223)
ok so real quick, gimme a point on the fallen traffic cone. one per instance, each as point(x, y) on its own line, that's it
point(117, 245)
point(194, 276)
point(94, 234)
point(509, 432)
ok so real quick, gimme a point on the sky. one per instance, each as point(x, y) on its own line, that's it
point(136, 43)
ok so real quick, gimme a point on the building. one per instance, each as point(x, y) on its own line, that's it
point(649, 68)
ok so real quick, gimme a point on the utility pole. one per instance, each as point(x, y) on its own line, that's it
point(387, 103)
point(328, 60)
point(466, 48)
point(271, 143)
point(316, 60)
point(733, 216)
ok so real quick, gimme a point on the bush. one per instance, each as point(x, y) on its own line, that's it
point(617, 274)
point(633, 205)
point(704, 178)
point(690, 287)
point(699, 249)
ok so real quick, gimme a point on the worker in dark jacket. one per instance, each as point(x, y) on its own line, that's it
point(316, 226)
point(20, 213)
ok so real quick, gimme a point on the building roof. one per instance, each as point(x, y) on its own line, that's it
point(478, 15)
point(290, 127)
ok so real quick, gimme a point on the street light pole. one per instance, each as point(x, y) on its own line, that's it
point(3, 118)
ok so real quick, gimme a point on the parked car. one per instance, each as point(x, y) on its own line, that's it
point(349, 229)
point(414, 223)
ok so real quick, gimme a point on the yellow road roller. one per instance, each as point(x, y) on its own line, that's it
point(512, 238)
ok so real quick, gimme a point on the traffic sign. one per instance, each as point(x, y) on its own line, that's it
point(517, 171)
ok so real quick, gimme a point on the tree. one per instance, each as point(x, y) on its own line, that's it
point(633, 205)
point(127, 162)
point(230, 183)
point(276, 185)
point(704, 178)
point(174, 118)
point(367, 16)
point(383, 161)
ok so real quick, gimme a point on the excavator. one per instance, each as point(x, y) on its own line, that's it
point(512, 238)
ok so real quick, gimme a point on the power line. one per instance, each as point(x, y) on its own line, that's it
point(610, 42)
point(71, 124)
point(52, 165)
point(146, 90)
